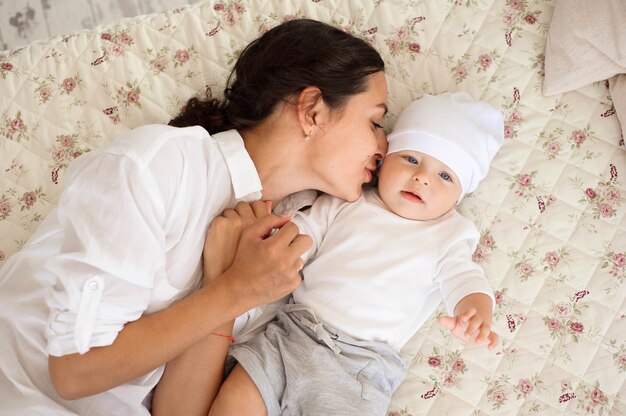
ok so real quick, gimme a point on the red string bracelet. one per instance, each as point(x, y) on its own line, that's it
point(231, 339)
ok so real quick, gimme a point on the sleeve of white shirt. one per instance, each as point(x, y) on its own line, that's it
point(315, 221)
point(459, 276)
point(114, 245)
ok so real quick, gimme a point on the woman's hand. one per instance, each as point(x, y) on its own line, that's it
point(257, 252)
point(224, 233)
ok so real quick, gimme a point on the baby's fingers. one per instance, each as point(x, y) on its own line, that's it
point(474, 325)
point(448, 322)
point(493, 340)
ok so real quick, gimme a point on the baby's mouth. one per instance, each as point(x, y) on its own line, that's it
point(412, 196)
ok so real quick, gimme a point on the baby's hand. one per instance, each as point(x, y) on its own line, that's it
point(470, 327)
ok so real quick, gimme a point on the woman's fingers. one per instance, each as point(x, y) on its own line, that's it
point(261, 208)
point(244, 210)
point(263, 227)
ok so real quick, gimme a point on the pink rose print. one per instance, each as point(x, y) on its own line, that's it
point(5, 208)
point(449, 379)
point(415, 47)
point(524, 180)
point(29, 198)
point(508, 131)
point(458, 365)
point(530, 19)
point(133, 96)
point(2, 256)
point(576, 327)
point(597, 396)
point(525, 386)
point(606, 210)
point(182, 56)
point(554, 147)
point(579, 137)
point(239, 8)
point(515, 117)
point(394, 45)
point(486, 240)
point(479, 255)
point(218, 7)
point(516, 4)
point(402, 32)
point(69, 84)
point(498, 396)
point(526, 269)
point(591, 194)
point(554, 325)
point(66, 141)
point(485, 61)
point(17, 124)
point(126, 39)
point(461, 72)
point(498, 296)
point(510, 18)
point(434, 361)
point(619, 259)
point(116, 49)
point(612, 195)
point(45, 93)
point(552, 258)
point(562, 310)
point(160, 64)
point(106, 36)
point(566, 385)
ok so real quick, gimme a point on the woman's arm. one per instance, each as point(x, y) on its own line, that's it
point(191, 380)
point(265, 269)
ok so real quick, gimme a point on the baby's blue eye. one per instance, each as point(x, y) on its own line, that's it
point(445, 176)
point(411, 159)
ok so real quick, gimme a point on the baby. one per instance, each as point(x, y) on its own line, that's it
point(377, 270)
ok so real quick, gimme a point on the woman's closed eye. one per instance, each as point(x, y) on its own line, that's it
point(376, 125)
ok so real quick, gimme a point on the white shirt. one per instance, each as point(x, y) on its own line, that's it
point(377, 276)
point(125, 239)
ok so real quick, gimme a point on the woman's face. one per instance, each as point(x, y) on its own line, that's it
point(353, 141)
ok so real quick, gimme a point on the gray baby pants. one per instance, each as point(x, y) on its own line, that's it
point(304, 367)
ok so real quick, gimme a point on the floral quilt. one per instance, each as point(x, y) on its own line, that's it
point(551, 212)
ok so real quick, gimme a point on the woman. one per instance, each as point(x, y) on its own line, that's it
point(107, 274)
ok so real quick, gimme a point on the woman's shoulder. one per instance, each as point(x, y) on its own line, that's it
point(147, 139)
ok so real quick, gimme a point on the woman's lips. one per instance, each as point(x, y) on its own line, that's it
point(413, 197)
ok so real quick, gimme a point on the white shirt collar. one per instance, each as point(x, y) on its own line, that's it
point(243, 173)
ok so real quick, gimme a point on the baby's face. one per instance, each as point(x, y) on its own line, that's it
point(417, 186)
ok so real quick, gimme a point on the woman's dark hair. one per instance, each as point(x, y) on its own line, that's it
point(282, 62)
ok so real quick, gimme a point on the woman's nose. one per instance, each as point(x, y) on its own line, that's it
point(381, 146)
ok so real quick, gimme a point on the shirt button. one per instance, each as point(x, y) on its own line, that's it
point(93, 285)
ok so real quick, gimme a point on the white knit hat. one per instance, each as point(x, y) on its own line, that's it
point(454, 128)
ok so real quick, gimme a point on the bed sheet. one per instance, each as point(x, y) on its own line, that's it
point(551, 212)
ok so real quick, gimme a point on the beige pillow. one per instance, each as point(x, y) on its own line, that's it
point(586, 43)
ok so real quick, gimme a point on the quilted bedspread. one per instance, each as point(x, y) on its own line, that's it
point(551, 212)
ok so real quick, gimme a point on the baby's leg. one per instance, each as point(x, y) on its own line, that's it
point(238, 396)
